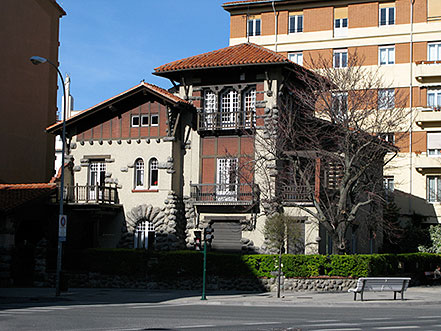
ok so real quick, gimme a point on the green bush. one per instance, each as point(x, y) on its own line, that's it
point(188, 264)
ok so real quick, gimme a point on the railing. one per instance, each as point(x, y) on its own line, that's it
point(299, 193)
point(91, 194)
point(235, 193)
point(226, 120)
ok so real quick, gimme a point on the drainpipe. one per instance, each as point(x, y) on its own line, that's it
point(412, 2)
point(275, 27)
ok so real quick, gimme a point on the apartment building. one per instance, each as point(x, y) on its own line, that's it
point(401, 38)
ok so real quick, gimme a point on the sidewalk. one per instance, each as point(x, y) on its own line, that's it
point(46, 296)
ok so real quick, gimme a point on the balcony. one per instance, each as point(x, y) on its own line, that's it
point(429, 117)
point(428, 70)
point(425, 164)
point(224, 194)
point(299, 193)
point(238, 120)
point(90, 194)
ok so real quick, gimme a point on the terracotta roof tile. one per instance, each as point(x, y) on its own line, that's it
point(229, 3)
point(16, 195)
point(242, 54)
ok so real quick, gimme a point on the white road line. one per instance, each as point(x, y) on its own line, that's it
point(322, 321)
point(422, 317)
point(377, 319)
point(156, 306)
point(196, 326)
point(401, 327)
point(261, 323)
point(333, 324)
point(339, 329)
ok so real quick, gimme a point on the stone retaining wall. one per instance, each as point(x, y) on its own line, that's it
point(96, 280)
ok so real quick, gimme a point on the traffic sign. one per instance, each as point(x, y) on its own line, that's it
point(62, 225)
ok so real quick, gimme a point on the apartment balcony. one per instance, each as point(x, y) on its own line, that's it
point(425, 164)
point(296, 194)
point(215, 121)
point(224, 194)
point(428, 70)
point(90, 194)
point(429, 117)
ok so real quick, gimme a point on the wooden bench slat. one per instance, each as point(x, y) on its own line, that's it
point(381, 284)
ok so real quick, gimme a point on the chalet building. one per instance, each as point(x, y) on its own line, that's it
point(155, 167)
point(401, 38)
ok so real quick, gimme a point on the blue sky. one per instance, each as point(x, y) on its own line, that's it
point(107, 46)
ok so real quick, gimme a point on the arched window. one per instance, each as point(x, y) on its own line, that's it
point(153, 173)
point(139, 173)
point(249, 106)
point(144, 235)
point(229, 108)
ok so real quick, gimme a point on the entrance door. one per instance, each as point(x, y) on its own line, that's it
point(97, 174)
point(226, 188)
point(227, 236)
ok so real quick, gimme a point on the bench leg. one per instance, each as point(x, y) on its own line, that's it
point(361, 294)
point(402, 295)
point(355, 296)
point(395, 295)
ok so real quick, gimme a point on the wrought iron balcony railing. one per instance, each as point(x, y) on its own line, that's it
point(298, 193)
point(229, 194)
point(226, 120)
point(91, 194)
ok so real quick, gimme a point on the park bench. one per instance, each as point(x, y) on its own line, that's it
point(381, 284)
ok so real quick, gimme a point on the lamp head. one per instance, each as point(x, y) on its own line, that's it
point(37, 60)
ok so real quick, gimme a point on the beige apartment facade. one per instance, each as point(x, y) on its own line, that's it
point(401, 39)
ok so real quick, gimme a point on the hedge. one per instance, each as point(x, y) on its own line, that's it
point(188, 264)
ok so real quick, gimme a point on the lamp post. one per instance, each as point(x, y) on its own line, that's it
point(39, 60)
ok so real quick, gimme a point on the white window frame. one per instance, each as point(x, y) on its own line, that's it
point(132, 121)
point(342, 29)
point(340, 58)
point(386, 99)
point(144, 117)
point(389, 183)
point(249, 106)
point(227, 179)
point(434, 51)
point(157, 120)
point(143, 230)
point(97, 177)
point(252, 24)
point(153, 172)
point(389, 52)
point(229, 107)
point(337, 100)
point(434, 98)
point(388, 136)
point(296, 57)
point(433, 189)
point(387, 21)
point(297, 20)
point(435, 149)
point(139, 174)
point(210, 108)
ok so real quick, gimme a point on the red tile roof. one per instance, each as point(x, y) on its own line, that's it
point(15, 195)
point(242, 54)
point(156, 90)
point(244, 2)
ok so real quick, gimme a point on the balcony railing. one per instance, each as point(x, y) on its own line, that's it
point(298, 193)
point(427, 69)
point(96, 194)
point(226, 120)
point(229, 194)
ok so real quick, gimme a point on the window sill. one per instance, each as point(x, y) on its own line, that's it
point(139, 190)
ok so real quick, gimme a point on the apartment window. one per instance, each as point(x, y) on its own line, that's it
point(434, 143)
point(154, 120)
point(434, 188)
point(139, 173)
point(254, 26)
point(341, 22)
point(433, 10)
point(388, 182)
point(134, 121)
point(386, 99)
point(144, 235)
point(144, 120)
point(387, 14)
point(296, 58)
point(339, 106)
point(296, 22)
point(386, 55)
point(434, 98)
point(153, 173)
point(434, 52)
point(389, 137)
point(341, 58)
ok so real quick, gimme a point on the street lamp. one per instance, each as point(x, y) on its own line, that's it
point(39, 60)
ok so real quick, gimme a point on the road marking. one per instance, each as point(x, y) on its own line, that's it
point(196, 326)
point(339, 329)
point(377, 319)
point(322, 321)
point(422, 317)
point(398, 327)
point(334, 324)
point(261, 323)
point(157, 305)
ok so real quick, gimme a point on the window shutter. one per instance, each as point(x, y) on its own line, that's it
point(387, 4)
point(433, 140)
point(340, 12)
point(434, 10)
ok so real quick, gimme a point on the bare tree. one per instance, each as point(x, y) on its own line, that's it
point(327, 144)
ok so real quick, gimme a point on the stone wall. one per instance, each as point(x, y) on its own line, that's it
point(96, 280)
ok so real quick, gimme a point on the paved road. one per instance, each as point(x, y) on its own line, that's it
point(124, 309)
